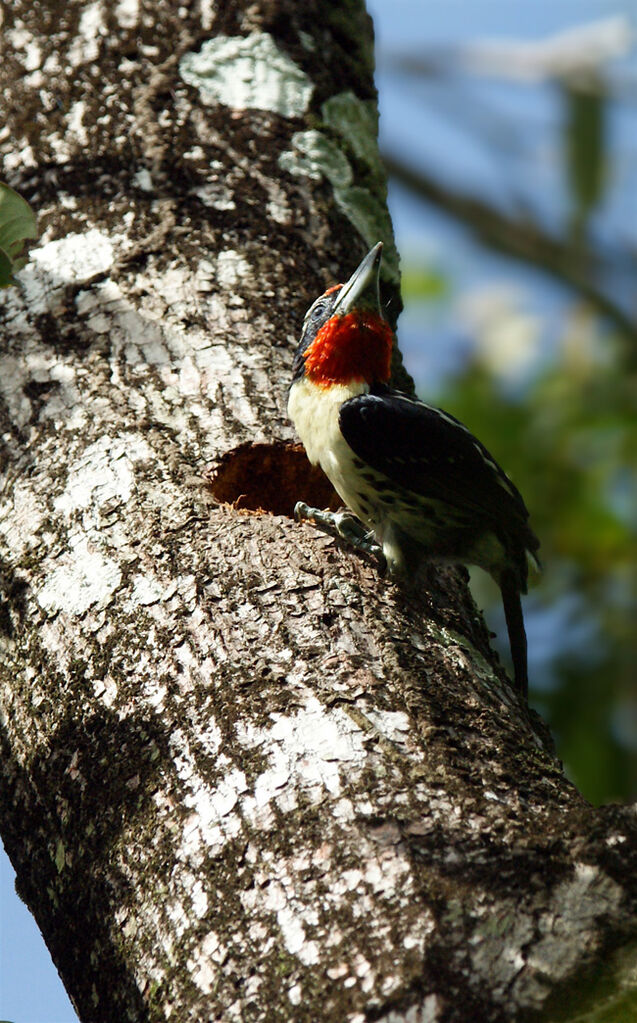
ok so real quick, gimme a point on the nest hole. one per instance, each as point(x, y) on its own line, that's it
point(270, 478)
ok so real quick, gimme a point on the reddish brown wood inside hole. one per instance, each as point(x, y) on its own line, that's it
point(270, 478)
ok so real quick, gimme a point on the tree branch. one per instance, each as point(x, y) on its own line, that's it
point(519, 238)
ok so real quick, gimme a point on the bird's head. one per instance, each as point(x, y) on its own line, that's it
point(345, 337)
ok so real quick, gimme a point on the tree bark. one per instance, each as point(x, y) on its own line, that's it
point(243, 777)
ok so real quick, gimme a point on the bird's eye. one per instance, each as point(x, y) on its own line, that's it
point(318, 310)
point(315, 312)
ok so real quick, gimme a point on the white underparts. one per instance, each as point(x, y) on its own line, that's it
point(314, 410)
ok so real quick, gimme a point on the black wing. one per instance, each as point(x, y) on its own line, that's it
point(429, 452)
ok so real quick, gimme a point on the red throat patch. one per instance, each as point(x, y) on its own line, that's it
point(355, 347)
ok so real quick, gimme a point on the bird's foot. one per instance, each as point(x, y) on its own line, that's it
point(343, 525)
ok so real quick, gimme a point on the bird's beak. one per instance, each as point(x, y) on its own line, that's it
point(361, 290)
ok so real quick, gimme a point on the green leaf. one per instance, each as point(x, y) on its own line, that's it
point(6, 278)
point(585, 142)
point(17, 223)
point(423, 283)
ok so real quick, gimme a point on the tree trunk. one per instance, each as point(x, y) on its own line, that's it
point(243, 777)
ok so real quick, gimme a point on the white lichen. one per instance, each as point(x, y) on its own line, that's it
point(73, 258)
point(146, 591)
point(231, 268)
point(85, 47)
point(201, 967)
point(103, 475)
point(75, 122)
point(32, 56)
point(85, 578)
point(21, 517)
point(248, 72)
point(143, 180)
point(393, 725)
point(127, 13)
point(313, 746)
point(567, 928)
point(315, 156)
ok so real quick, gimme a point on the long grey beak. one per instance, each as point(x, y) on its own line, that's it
point(361, 290)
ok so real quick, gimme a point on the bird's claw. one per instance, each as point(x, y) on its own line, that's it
point(345, 526)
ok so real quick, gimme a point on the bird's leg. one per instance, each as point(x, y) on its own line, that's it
point(345, 526)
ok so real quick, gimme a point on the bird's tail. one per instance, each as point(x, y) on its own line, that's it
point(515, 627)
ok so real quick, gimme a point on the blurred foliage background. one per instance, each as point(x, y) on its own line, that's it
point(510, 136)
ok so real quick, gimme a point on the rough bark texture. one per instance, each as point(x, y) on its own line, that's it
point(242, 777)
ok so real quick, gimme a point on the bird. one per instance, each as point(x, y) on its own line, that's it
point(416, 483)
